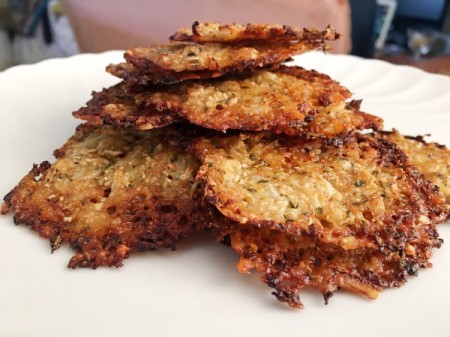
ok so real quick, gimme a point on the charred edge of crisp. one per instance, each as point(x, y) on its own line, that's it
point(89, 117)
point(308, 75)
point(387, 240)
point(418, 138)
point(114, 94)
point(291, 298)
point(290, 294)
point(209, 195)
point(6, 205)
point(93, 251)
point(390, 153)
point(147, 72)
point(35, 172)
point(276, 53)
point(284, 33)
point(81, 131)
point(132, 121)
point(119, 94)
point(280, 127)
point(185, 134)
point(27, 217)
point(194, 26)
point(369, 121)
point(313, 76)
point(339, 140)
point(213, 199)
point(119, 71)
point(165, 236)
point(146, 75)
point(421, 139)
point(236, 126)
point(274, 276)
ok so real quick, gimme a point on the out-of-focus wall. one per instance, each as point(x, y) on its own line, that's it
point(118, 24)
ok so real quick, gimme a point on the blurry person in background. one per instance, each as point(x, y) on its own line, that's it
point(119, 24)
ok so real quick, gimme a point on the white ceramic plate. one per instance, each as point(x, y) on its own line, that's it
point(195, 291)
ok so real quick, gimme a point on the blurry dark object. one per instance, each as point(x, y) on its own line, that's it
point(418, 30)
point(440, 46)
point(421, 13)
point(420, 42)
point(363, 22)
point(21, 17)
point(418, 36)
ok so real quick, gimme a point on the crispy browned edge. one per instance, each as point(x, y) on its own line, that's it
point(388, 154)
point(136, 76)
point(274, 275)
point(144, 71)
point(254, 32)
point(94, 112)
point(88, 247)
point(369, 121)
point(419, 139)
point(289, 269)
point(330, 86)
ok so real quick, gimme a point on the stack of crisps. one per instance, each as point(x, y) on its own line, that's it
point(217, 131)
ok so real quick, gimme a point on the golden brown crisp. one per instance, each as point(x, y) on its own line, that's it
point(339, 121)
point(289, 100)
point(309, 214)
point(116, 106)
point(289, 263)
point(110, 193)
point(142, 77)
point(178, 61)
point(432, 159)
point(202, 32)
point(362, 195)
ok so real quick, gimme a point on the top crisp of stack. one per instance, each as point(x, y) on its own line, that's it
point(224, 77)
point(216, 130)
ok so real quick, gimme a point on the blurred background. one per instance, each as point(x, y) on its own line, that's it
point(413, 32)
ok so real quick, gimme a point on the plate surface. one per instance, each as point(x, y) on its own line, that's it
point(195, 291)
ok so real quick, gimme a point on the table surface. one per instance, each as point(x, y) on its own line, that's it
point(438, 64)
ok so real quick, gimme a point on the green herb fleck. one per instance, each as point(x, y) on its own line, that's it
point(56, 243)
point(262, 181)
point(292, 205)
point(319, 210)
point(288, 218)
point(251, 190)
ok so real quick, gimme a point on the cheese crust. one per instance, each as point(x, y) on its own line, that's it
point(111, 192)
